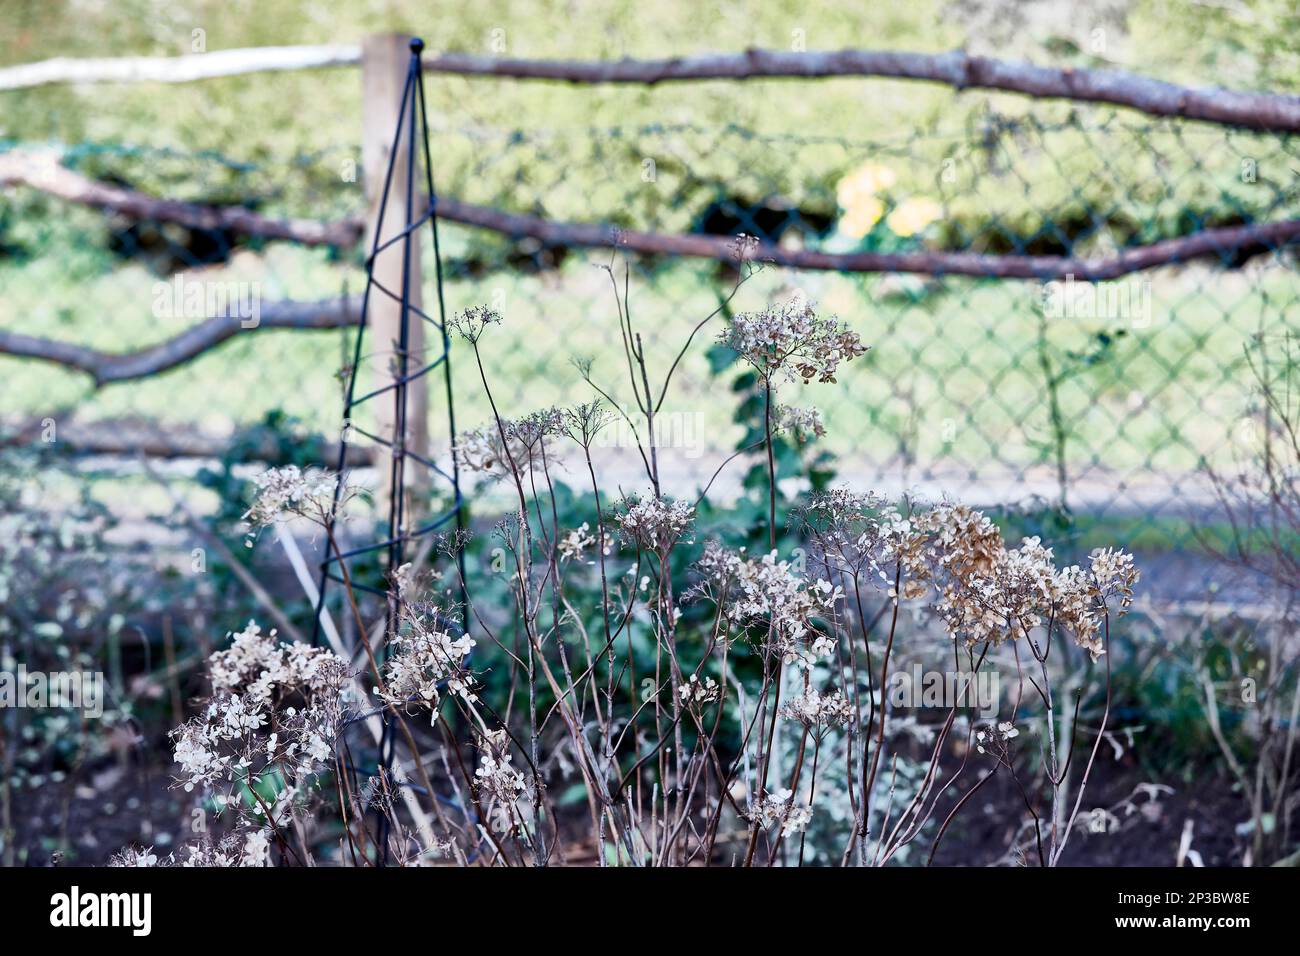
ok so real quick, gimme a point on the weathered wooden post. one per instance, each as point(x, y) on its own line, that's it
point(385, 58)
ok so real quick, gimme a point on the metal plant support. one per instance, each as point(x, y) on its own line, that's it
point(406, 526)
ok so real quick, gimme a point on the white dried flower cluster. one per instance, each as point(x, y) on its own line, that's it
point(779, 809)
point(242, 848)
point(573, 546)
point(818, 711)
point(791, 340)
point(857, 532)
point(769, 597)
point(134, 856)
point(841, 508)
point(257, 663)
point(274, 706)
point(494, 776)
point(1113, 576)
point(655, 524)
point(289, 491)
point(805, 424)
point(410, 583)
point(694, 692)
point(425, 658)
point(483, 449)
point(997, 737)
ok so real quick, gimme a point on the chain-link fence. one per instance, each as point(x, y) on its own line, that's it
point(1108, 398)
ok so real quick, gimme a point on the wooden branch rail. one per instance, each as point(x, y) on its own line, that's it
point(106, 367)
point(32, 168)
point(1223, 241)
point(130, 437)
point(957, 69)
point(40, 169)
point(177, 69)
point(961, 71)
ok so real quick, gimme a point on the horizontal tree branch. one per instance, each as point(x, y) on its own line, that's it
point(130, 437)
point(41, 169)
point(177, 69)
point(1224, 241)
point(960, 70)
point(957, 69)
point(105, 367)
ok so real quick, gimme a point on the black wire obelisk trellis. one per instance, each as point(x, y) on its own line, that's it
point(336, 568)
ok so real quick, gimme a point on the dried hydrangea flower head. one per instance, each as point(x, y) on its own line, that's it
point(244, 847)
point(779, 808)
point(1005, 594)
point(771, 602)
point(258, 665)
point(696, 693)
point(853, 532)
point(804, 424)
point(991, 593)
point(289, 492)
point(425, 659)
point(134, 856)
point(1085, 598)
point(275, 706)
point(840, 510)
point(654, 523)
point(963, 541)
point(1113, 578)
point(986, 592)
point(425, 646)
point(499, 449)
point(791, 340)
point(494, 777)
point(819, 712)
point(573, 545)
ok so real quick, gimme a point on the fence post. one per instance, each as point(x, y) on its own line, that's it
point(384, 60)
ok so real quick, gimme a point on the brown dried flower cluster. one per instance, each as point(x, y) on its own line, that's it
point(982, 590)
point(792, 340)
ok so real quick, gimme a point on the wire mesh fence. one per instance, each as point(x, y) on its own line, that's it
point(1107, 398)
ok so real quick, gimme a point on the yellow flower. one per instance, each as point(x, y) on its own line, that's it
point(857, 196)
point(863, 183)
point(859, 218)
point(913, 215)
